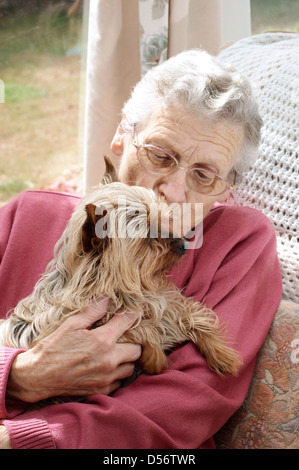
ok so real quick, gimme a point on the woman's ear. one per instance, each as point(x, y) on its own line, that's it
point(117, 144)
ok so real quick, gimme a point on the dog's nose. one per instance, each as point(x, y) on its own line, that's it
point(182, 247)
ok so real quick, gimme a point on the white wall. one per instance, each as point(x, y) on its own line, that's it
point(236, 20)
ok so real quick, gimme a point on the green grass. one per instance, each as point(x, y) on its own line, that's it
point(34, 35)
point(16, 93)
point(39, 116)
point(13, 187)
point(274, 15)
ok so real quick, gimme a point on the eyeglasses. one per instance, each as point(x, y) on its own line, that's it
point(158, 161)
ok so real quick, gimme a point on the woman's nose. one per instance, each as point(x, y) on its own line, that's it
point(174, 187)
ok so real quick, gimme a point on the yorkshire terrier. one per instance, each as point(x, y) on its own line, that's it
point(109, 249)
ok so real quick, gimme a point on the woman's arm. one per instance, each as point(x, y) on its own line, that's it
point(237, 273)
point(4, 438)
point(74, 360)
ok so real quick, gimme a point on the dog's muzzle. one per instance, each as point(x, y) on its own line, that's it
point(182, 246)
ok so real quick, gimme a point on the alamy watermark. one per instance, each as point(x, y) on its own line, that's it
point(295, 352)
point(150, 221)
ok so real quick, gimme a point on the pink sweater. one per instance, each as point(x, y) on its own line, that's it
point(236, 272)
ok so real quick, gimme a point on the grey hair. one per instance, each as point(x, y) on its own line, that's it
point(204, 86)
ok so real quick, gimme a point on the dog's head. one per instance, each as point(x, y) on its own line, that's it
point(130, 227)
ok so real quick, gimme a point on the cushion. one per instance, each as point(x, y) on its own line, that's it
point(269, 416)
point(271, 62)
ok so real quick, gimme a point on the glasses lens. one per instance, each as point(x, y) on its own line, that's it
point(155, 159)
point(206, 182)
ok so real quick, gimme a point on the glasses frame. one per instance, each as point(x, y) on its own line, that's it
point(229, 186)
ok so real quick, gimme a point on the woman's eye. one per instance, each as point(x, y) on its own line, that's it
point(160, 157)
point(202, 176)
point(157, 153)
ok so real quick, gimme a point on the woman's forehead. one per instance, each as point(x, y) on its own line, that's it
point(192, 138)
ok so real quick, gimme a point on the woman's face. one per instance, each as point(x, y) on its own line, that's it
point(190, 140)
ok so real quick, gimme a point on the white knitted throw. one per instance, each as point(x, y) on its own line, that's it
point(271, 62)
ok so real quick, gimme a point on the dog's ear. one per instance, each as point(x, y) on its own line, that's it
point(90, 239)
point(110, 174)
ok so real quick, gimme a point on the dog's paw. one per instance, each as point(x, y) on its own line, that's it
point(153, 360)
point(225, 360)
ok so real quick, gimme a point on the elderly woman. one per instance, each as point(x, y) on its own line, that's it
point(190, 127)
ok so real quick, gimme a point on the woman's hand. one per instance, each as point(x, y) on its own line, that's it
point(4, 438)
point(74, 360)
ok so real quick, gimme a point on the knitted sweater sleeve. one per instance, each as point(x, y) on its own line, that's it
point(236, 272)
point(7, 355)
point(30, 225)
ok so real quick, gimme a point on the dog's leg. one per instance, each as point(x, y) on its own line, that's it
point(202, 328)
point(153, 359)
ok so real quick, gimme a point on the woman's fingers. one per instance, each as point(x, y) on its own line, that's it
point(76, 360)
point(127, 352)
point(94, 312)
point(117, 325)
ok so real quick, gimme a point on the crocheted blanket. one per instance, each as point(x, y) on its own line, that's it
point(271, 62)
